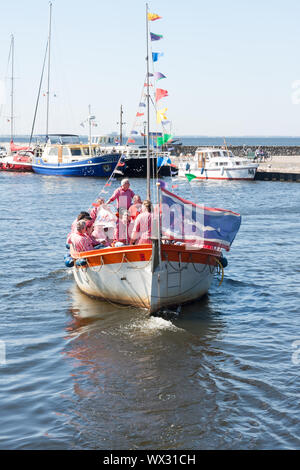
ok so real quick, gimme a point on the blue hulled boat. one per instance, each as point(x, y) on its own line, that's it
point(65, 155)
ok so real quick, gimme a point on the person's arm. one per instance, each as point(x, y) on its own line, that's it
point(135, 231)
point(113, 197)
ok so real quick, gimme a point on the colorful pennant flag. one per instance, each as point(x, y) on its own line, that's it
point(142, 105)
point(164, 139)
point(155, 37)
point(189, 176)
point(156, 56)
point(159, 75)
point(160, 93)
point(133, 132)
point(153, 17)
point(139, 114)
point(131, 141)
point(161, 115)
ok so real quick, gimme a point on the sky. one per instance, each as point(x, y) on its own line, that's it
point(232, 67)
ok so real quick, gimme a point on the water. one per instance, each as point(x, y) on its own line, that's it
point(84, 374)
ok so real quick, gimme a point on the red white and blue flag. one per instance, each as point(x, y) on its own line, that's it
point(196, 224)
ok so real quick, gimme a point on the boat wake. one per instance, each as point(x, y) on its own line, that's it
point(57, 274)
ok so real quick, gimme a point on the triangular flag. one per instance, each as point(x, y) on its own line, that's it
point(156, 55)
point(160, 93)
point(153, 17)
point(139, 114)
point(155, 37)
point(161, 115)
point(131, 141)
point(189, 176)
point(158, 75)
point(142, 105)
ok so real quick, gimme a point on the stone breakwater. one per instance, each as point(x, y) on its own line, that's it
point(239, 150)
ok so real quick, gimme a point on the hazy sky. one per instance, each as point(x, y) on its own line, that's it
point(230, 65)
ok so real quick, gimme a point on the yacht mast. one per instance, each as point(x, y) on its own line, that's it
point(12, 89)
point(148, 109)
point(48, 82)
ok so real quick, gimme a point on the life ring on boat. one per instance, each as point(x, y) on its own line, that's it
point(106, 168)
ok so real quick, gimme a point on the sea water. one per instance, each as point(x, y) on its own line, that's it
point(80, 373)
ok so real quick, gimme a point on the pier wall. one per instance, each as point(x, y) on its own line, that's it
point(239, 150)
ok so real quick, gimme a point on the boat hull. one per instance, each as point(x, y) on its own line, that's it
point(245, 173)
point(16, 167)
point(101, 166)
point(128, 276)
point(137, 167)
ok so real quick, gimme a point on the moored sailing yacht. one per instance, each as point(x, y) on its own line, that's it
point(176, 267)
point(64, 154)
point(19, 158)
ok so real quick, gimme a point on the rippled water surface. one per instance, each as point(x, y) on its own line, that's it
point(83, 374)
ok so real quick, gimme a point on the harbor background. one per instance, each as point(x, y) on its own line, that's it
point(197, 141)
point(224, 374)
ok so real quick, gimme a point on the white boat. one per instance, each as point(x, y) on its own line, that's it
point(216, 163)
point(178, 265)
point(136, 275)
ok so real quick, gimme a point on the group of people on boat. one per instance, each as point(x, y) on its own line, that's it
point(100, 227)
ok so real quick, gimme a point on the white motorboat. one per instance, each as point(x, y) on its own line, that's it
point(216, 163)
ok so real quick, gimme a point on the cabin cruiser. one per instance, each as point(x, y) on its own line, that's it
point(216, 163)
point(66, 155)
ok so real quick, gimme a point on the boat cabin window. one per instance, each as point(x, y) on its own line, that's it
point(53, 151)
point(75, 152)
point(216, 154)
point(65, 151)
point(86, 150)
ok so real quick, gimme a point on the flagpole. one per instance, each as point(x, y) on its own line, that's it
point(148, 109)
